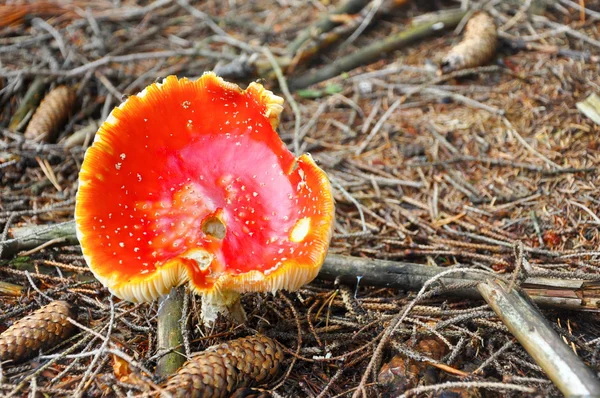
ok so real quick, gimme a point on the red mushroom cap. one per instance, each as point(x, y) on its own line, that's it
point(188, 181)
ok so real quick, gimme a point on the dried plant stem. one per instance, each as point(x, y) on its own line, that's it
point(169, 333)
point(288, 96)
point(563, 367)
point(467, 384)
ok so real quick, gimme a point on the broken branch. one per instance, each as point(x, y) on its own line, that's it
point(563, 367)
point(373, 52)
point(575, 294)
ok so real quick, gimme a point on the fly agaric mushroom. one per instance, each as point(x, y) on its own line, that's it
point(189, 182)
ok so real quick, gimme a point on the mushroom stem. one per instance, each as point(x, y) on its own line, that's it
point(217, 303)
point(236, 311)
point(170, 336)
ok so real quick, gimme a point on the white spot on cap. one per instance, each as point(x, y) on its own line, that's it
point(437, 26)
point(300, 230)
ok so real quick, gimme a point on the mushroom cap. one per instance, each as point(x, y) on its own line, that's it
point(188, 181)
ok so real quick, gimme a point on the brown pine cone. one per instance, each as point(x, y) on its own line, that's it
point(476, 48)
point(220, 370)
point(250, 393)
point(41, 330)
point(51, 114)
point(402, 373)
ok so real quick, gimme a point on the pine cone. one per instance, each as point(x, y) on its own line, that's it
point(41, 330)
point(220, 370)
point(51, 114)
point(402, 373)
point(476, 48)
point(251, 393)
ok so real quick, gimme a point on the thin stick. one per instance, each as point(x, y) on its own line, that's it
point(27, 238)
point(377, 127)
point(575, 294)
point(351, 198)
point(467, 384)
point(526, 144)
point(101, 351)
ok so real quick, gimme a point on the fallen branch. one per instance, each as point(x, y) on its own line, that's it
point(571, 294)
point(117, 59)
point(321, 42)
point(30, 237)
point(316, 43)
point(489, 162)
point(574, 294)
point(563, 367)
point(373, 52)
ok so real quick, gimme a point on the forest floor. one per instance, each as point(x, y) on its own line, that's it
point(493, 169)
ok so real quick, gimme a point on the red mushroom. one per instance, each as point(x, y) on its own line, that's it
point(188, 181)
